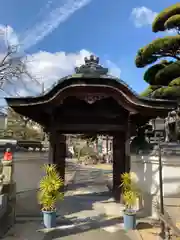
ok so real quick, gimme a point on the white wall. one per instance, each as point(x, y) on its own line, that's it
point(146, 168)
point(3, 122)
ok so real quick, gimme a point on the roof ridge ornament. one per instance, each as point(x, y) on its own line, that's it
point(91, 66)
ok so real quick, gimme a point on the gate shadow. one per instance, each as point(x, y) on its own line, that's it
point(27, 204)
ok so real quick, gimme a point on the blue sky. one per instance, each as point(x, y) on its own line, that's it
point(57, 34)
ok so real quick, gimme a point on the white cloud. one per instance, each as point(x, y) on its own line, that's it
point(114, 69)
point(7, 37)
point(11, 36)
point(142, 16)
point(46, 67)
point(50, 67)
point(51, 21)
point(171, 32)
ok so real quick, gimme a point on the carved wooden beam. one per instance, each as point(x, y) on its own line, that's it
point(92, 98)
point(82, 128)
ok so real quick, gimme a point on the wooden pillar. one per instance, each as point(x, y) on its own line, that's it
point(51, 157)
point(60, 154)
point(107, 144)
point(57, 152)
point(128, 150)
point(119, 162)
point(52, 139)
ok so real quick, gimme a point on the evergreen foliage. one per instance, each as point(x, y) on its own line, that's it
point(164, 53)
point(19, 127)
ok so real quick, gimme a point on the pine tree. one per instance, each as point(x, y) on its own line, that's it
point(164, 76)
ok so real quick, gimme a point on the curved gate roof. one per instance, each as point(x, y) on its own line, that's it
point(90, 80)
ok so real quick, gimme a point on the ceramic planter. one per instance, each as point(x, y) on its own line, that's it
point(49, 219)
point(129, 220)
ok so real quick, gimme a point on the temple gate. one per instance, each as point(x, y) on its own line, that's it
point(90, 101)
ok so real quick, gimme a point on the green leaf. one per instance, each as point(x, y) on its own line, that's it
point(150, 73)
point(148, 91)
point(172, 22)
point(159, 22)
point(171, 93)
point(175, 82)
point(168, 46)
point(129, 189)
point(49, 187)
point(167, 74)
point(161, 44)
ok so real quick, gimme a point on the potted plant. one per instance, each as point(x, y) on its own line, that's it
point(130, 193)
point(49, 193)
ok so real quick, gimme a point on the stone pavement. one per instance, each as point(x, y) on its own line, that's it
point(28, 231)
point(81, 200)
point(81, 214)
point(27, 175)
point(148, 231)
point(172, 205)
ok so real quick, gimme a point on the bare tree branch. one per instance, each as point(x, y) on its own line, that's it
point(13, 69)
